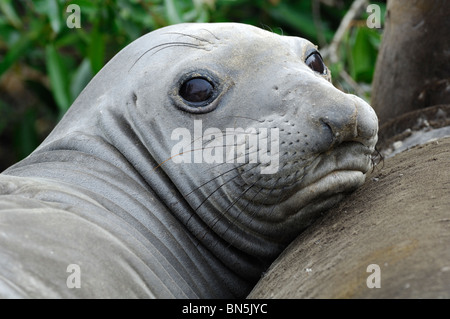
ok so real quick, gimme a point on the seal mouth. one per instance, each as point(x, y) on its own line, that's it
point(326, 180)
point(294, 203)
point(323, 193)
point(335, 164)
point(335, 182)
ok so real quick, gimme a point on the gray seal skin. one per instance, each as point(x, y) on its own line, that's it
point(104, 192)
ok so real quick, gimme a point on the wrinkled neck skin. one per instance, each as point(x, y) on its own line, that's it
point(221, 225)
point(108, 158)
point(143, 143)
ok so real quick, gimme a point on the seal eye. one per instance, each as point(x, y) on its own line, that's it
point(197, 90)
point(315, 62)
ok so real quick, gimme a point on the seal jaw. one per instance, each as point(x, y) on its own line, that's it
point(296, 173)
point(337, 182)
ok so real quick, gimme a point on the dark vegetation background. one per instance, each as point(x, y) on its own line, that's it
point(44, 65)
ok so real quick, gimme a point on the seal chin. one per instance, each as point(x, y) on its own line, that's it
point(329, 177)
point(324, 192)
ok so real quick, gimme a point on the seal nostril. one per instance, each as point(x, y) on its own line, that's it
point(328, 128)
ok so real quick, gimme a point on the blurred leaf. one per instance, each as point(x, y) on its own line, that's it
point(52, 10)
point(55, 15)
point(173, 15)
point(58, 75)
point(14, 53)
point(96, 50)
point(71, 39)
point(8, 10)
point(20, 45)
point(44, 95)
point(301, 21)
point(131, 29)
point(25, 137)
point(5, 110)
point(88, 9)
point(335, 69)
point(81, 78)
point(190, 15)
point(85, 4)
point(203, 15)
point(363, 55)
point(375, 39)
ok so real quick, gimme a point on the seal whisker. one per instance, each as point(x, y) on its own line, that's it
point(169, 45)
point(237, 167)
point(195, 150)
point(244, 117)
point(191, 36)
point(252, 216)
point(207, 147)
point(217, 38)
point(221, 174)
point(224, 133)
point(165, 46)
point(207, 141)
point(271, 191)
point(173, 156)
point(223, 163)
point(231, 205)
point(281, 30)
point(225, 145)
point(266, 27)
point(207, 197)
point(376, 158)
point(245, 208)
point(280, 199)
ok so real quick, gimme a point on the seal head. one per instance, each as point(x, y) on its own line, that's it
point(232, 137)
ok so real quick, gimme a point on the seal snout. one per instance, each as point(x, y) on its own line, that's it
point(350, 120)
point(366, 123)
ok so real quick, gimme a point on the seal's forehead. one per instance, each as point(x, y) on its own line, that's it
point(233, 46)
point(234, 34)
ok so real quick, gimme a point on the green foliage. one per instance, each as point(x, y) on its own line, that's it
point(362, 54)
point(47, 64)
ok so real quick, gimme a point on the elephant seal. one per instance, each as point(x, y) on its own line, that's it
point(112, 205)
point(387, 240)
